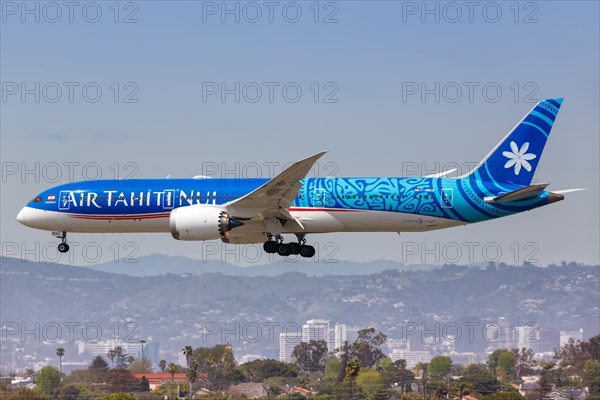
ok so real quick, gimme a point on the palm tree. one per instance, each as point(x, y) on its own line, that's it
point(162, 364)
point(112, 353)
point(172, 371)
point(60, 352)
point(352, 370)
point(142, 341)
point(187, 352)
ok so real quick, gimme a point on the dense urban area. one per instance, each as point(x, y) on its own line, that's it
point(494, 332)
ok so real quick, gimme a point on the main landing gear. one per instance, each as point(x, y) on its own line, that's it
point(291, 248)
point(63, 247)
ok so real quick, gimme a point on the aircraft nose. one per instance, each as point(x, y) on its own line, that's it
point(21, 216)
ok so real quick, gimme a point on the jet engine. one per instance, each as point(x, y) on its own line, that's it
point(201, 222)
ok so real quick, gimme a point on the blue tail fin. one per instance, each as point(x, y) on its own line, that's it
point(516, 157)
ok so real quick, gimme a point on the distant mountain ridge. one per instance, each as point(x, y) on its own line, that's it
point(173, 308)
point(159, 264)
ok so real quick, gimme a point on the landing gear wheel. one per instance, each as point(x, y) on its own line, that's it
point(307, 251)
point(63, 247)
point(270, 247)
point(283, 249)
point(294, 248)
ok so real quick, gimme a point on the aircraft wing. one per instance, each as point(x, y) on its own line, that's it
point(272, 199)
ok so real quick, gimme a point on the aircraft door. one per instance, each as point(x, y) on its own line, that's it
point(447, 199)
point(168, 199)
point(318, 197)
point(64, 200)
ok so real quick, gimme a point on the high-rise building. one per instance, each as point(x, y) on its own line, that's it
point(340, 335)
point(319, 329)
point(527, 336)
point(287, 342)
point(575, 335)
point(412, 357)
point(151, 349)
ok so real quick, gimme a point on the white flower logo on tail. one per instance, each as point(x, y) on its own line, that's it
point(519, 157)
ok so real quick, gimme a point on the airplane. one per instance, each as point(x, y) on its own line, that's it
point(244, 211)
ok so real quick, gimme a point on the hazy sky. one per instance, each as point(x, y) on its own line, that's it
point(161, 88)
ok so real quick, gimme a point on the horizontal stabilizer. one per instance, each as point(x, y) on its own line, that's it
point(568, 190)
point(525, 193)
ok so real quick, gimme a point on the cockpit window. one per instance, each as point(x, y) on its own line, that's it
point(37, 199)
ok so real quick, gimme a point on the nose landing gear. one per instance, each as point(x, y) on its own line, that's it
point(63, 247)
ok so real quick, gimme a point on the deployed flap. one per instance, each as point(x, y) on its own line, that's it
point(525, 193)
point(274, 197)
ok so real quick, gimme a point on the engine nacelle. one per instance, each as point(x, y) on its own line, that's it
point(201, 222)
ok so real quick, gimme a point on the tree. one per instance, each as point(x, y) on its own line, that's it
point(144, 384)
point(311, 356)
point(492, 361)
point(576, 353)
point(507, 362)
point(98, 365)
point(480, 379)
point(119, 358)
point(396, 374)
point(370, 383)
point(573, 354)
point(172, 370)
point(111, 354)
point(142, 366)
point(523, 361)
point(591, 376)
point(352, 371)
point(439, 367)
point(162, 364)
point(344, 356)
point(367, 347)
point(48, 380)
point(120, 380)
point(259, 370)
point(70, 392)
point(218, 363)
point(192, 373)
point(60, 352)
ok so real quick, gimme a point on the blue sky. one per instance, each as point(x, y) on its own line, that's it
point(367, 61)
